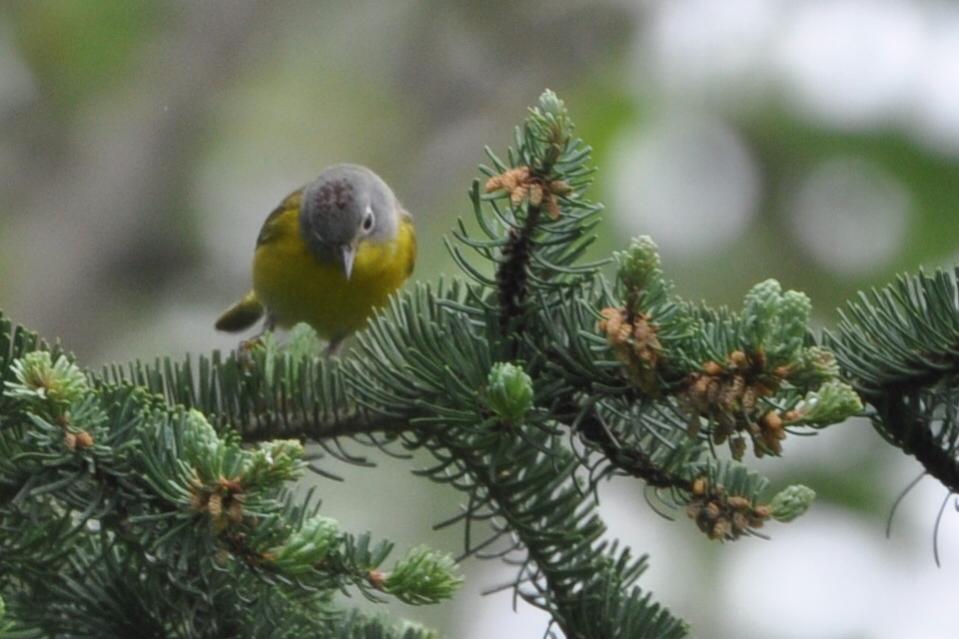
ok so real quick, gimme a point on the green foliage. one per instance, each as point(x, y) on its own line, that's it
point(897, 347)
point(730, 377)
point(157, 524)
point(165, 488)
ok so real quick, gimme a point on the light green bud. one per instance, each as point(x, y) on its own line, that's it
point(759, 311)
point(424, 576)
point(832, 402)
point(793, 313)
point(549, 122)
point(509, 391)
point(303, 341)
point(274, 462)
point(791, 502)
point(202, 446)
point(308, 546)
point(39, 378)
point(816, 365)
point(639, 265)
point(550, 104)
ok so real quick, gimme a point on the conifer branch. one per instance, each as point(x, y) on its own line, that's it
point(511, 276)
point(912, 431)
point(899, 347)
point(528, 387)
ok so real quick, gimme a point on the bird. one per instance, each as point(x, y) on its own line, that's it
point(330, 254)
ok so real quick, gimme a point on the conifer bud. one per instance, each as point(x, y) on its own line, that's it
point(274, 462)
point(699, 486)
point(424, 576)
point(759, 311)
point(791, 502)
point(639, 265)
point(509, 391)
point(202, 447)
point(833, 402)
point(712, 368)
point(815, 365)
point(550, 119)
point(84, 439)
point(377, 578)
point(793, 317)
point(308, 546)
point(38, 377)
point(738, 359)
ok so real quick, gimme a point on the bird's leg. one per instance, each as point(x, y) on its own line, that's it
point(334, 348)
point(269, 323)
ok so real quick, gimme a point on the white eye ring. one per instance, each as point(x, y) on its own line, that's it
point(368, 220)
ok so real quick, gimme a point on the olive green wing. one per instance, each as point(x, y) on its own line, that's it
point(249, 309)
point(241, 315)
point(271, 228)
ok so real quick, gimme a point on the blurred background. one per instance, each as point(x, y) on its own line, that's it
point(143, 142)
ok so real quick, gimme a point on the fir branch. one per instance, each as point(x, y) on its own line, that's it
point(511, 276)
point(899, 347)
point(631, 461)
point(269, 392)
point(512, 464)
point(156, 483)
point(560, 532)
point(505, 380)
point(548, 173)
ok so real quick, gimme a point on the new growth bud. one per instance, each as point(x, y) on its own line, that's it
point(832, 402)
point(551, 120)
point(639, 265)
point(424, 576)
point(308, 546)
point(775, 322)
point(791, 502)
point(509, 391)
point(202, 447)
point(273, 463)
point(40, 379)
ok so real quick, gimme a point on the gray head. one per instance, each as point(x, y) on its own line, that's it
point(346, 205)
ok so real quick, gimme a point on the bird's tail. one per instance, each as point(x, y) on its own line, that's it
point(241, 315)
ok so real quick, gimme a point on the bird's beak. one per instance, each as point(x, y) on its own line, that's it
point(347, 254)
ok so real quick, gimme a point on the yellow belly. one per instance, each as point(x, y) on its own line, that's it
point(295, 287)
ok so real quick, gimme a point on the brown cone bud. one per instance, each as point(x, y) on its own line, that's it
point(84, 439)
point(712, 368)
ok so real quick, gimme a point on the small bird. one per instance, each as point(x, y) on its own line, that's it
point(329, 255)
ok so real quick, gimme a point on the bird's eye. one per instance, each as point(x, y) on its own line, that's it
point(368, 221)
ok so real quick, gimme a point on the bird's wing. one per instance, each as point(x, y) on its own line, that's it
point(271, 228)
point(241, 315)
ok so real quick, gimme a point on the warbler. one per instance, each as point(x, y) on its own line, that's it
point(329, 255)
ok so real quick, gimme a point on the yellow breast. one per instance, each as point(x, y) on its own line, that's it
point(295, 287)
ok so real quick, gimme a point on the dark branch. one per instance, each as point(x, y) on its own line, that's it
point(913, 434)
point(631, 461)
point(512, 274)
